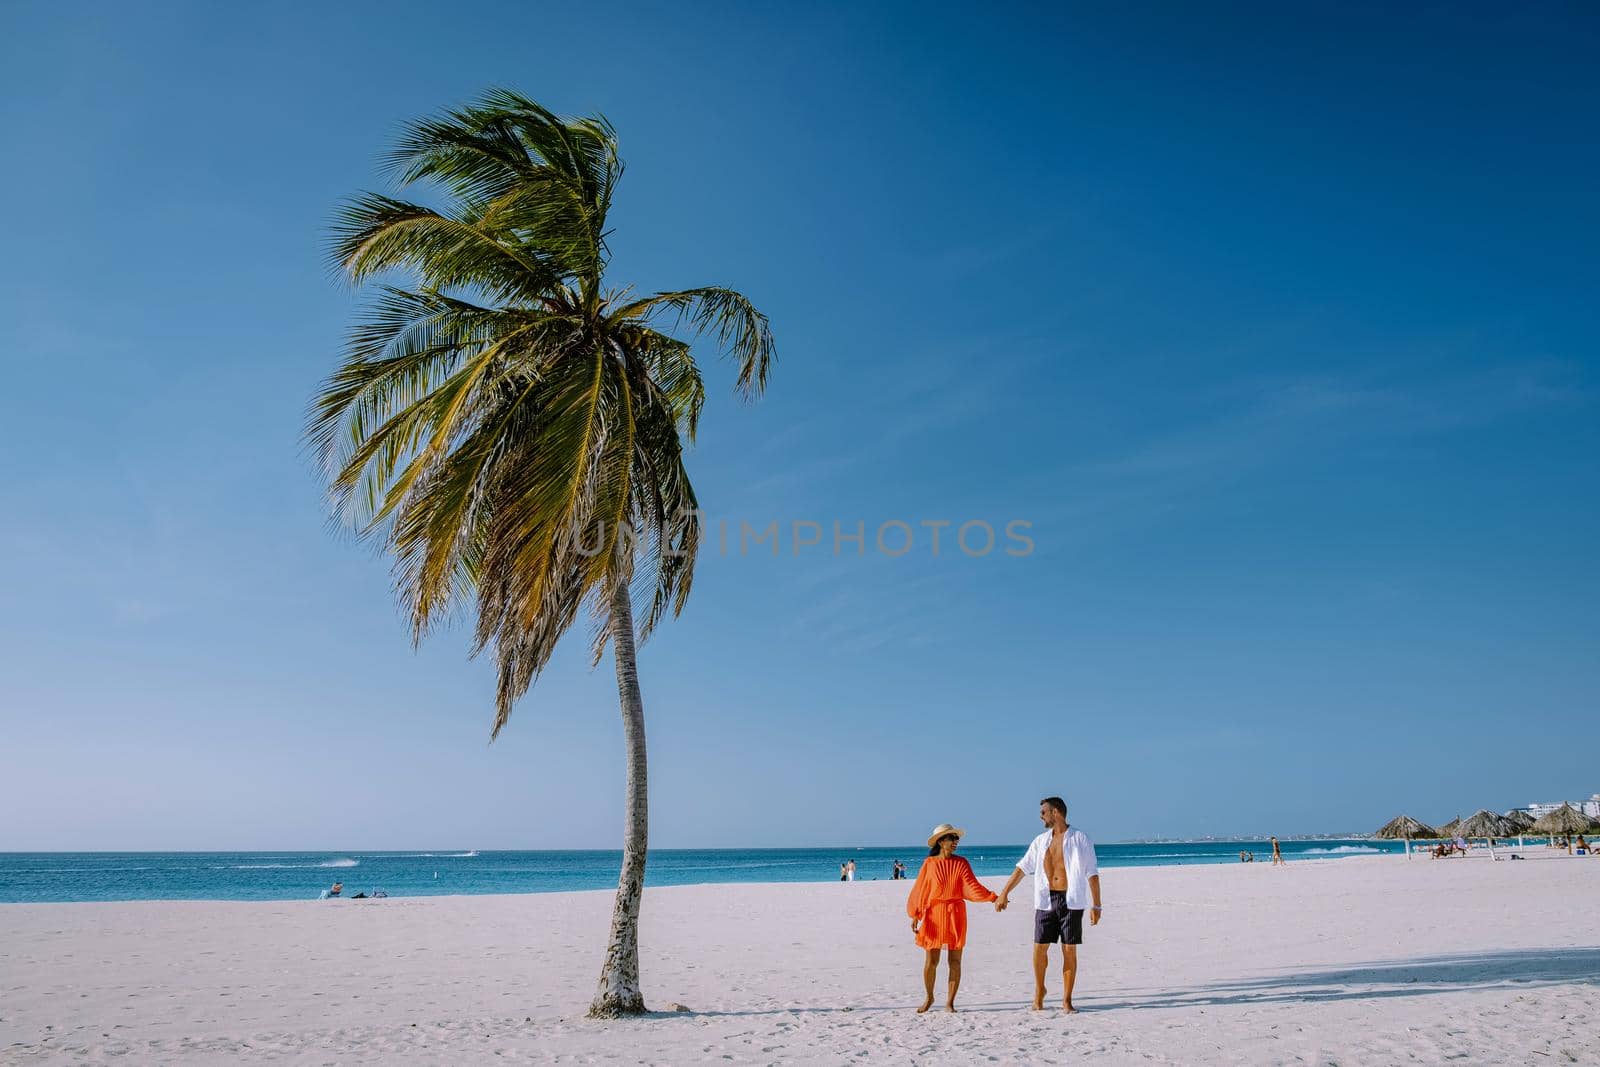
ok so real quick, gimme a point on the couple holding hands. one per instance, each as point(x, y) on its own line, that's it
point(1066, 883)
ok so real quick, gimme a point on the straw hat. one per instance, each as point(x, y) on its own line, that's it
point(942, 830)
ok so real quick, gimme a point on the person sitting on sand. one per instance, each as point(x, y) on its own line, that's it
point(338, 887)
point(1581, 848)
point(938, 909)
point(1066, 877)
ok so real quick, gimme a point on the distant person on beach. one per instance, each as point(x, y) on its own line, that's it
point(851, 871)
point(1066, 883)
point(1277, 856)
point(844, 872)
point(938, 909)
point(1582, 847)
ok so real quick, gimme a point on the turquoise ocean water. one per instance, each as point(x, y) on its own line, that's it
point(69, 876)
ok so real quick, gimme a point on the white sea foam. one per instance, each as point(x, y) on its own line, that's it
point(258, 866)
point(720, 866)
point(285, 866)
point(1340, 850)
point(461, 855)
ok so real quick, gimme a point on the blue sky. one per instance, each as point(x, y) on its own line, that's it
point(1276, 323)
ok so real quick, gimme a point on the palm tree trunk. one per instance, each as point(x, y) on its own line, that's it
point(619, 978)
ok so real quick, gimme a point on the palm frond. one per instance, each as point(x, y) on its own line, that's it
point(670, 366)
point(511, 430)
point(741, 331)
point(524, 168)
point(374, 234)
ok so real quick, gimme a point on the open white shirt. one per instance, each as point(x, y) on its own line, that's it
point(1077, 852)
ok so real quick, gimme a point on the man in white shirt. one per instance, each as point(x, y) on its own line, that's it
point(1066, 882)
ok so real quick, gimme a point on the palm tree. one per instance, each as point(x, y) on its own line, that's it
point(511, 429)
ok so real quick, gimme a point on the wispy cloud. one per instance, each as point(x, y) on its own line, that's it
point(931, 391)
point(1269, 415)
point(134, 611)
point(1273, 423)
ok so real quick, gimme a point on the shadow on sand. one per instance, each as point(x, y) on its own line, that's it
point(1394, 978)
point(1529, 968)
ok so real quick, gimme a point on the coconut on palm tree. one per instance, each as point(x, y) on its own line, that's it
point(511, 427)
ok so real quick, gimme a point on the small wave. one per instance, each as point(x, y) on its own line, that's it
point(80, 870)
point(1341, 850)
point(260, 866)
point(461, 855)
point(723, 866)
point(285, 866)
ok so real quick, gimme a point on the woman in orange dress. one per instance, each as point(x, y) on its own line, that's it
point(938, 908)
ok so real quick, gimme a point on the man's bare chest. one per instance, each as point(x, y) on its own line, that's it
point(1055, 865)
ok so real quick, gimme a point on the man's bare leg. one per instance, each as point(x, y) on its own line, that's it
point(955, 979)
point(1041, 956)
point(930, 968)
point(1069, 975)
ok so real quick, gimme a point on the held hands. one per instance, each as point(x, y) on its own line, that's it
point(1001, 902)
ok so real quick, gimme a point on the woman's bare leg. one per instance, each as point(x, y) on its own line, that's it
point(930, 968)
point(955, 978)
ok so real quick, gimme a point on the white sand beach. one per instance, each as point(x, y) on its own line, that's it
point(1366, 960)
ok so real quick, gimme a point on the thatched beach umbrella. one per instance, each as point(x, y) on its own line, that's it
point(1405, 828)
point(1564, 820)
point(1486, 824)
point(1450, 828)
point(1519, 821)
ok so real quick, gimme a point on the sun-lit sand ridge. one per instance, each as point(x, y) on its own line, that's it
point(1367, 960)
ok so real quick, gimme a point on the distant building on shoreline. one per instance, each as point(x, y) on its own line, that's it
point(1590, 807)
